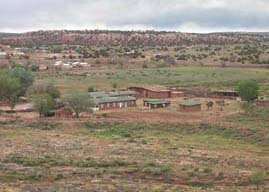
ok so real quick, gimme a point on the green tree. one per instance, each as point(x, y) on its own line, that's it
point(44, 88)
point(9, 89)
point(248, 90)
point(25, 77)
point(79, 102)
point(53, 91)
point(43, 103)
point(91, 89)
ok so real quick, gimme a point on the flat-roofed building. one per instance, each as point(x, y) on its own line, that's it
point(156, 103)
point(190, 106)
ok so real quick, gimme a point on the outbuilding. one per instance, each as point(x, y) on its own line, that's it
point(156, 103)
point(190, 106)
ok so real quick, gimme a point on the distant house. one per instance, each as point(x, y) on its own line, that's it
point(190, 106)
point(58, 63)
point(67, 66)
point(79, 64)
point(156, 103)
point(18, 54)
point(43, 67)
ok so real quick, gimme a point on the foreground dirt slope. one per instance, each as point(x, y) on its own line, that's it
point(133, 156)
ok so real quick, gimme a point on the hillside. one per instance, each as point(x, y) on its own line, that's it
point(146, 38)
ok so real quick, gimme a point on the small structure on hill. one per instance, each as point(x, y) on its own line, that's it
point(228, 94)
point(156, 103)
point(64, 113)
point(190, 106)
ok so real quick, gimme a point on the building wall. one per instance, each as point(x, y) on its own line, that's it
point(116, 105)
point(153, 106)
point(145, 93)
point(195, 108)
point(225, 95)
point(176, 94)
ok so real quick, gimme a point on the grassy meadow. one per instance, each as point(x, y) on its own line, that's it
point(207, 77)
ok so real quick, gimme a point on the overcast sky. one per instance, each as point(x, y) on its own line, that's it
point(179, 15)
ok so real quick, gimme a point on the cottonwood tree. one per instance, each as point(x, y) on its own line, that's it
point(79, 102)
point(44, 88)
point(248, 90)
point(25, 77)
point(9, 89)
point(43, 104)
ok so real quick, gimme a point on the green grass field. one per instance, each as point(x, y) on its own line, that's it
point(207, 77)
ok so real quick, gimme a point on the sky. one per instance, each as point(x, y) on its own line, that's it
point(199, 16)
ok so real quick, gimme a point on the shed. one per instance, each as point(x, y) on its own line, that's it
point(190, 106)
point(156, 103)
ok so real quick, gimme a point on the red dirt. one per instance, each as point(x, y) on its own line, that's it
point(154, 116)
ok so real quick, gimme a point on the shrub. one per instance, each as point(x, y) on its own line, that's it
point(91, 89)
point(257, 178)
point(248, 90)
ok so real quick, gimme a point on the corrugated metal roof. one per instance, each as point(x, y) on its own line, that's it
point(190, 103)
point(155, 88)
point(156, 101)
point(101, 94)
